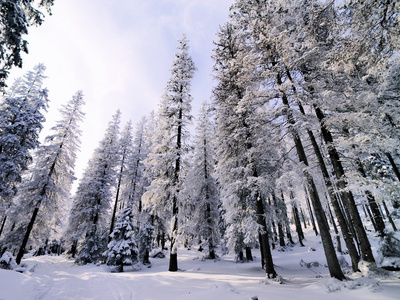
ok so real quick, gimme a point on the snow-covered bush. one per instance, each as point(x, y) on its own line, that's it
point(389, 252)
point(7, 261)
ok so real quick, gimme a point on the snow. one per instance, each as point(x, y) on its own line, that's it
point(303, 272)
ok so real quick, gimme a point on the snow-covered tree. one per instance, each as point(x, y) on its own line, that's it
point(243, 166)
point(15, 17)
point(21, 118)
point(45, 189)
point(90, 212)
point(165, 160)
point(122, 249)
point(201, 187)
point(125, 149)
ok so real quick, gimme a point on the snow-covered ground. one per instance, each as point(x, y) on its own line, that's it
point(56, 277)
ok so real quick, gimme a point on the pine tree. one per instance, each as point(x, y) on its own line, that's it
point(125, 149)
point(201, 186)
point(166, 159)
point(21, 118)
point(244, 165)
point(91, 204)
point(43, 192)
point(15, 17)
point(122, 249)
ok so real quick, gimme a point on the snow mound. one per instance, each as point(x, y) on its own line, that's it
point(334, 285)
point(7, 261)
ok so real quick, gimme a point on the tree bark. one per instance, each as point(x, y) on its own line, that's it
point(376, 213)
point(249, 256)
point(299, 230)
point(2, 224)
point(310, 212)
point(26, 237)
point(389, 216)
point(345, 195)
point(264, 244)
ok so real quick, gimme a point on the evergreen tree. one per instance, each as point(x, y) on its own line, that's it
point(91, 204)
point(44, 190)
point(15, 17)
point(244, 165)
point(201, 187)
point(21, 118)
point(166, 159)
point(122, 249)
point(125, 149)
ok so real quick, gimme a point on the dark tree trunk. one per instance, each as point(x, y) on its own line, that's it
point(389, 216)
point(26, 237)
point(330, 254)
point(299, 230)
point(115, 205)
point(264, 241)
point(371, 218)
point(74, 247)
point(173, 258)
point(394, 166)
point(2, 224)
point(311, 212)
point(281, 235)
point(304, 218)
point(345, 195)
point(240, 256)
point(288, 233)
point(339, 245)
point(347, 236)
point(249, 256)
point(376, 213)
point(261, 251)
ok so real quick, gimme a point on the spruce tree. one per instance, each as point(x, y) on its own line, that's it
point(90, 212)
point(166, 158)
point(201, 187)
point(21, 118)
point(44, 190)
point(122, 249)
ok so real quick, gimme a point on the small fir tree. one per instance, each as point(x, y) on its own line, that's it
point(122, 249)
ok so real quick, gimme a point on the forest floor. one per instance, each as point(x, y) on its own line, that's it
point(303, 276)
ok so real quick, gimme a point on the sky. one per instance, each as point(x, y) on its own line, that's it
point(120, 53)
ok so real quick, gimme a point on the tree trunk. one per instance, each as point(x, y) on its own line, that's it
point(264, 241)
point(115, 205)
point(74, 247)
point(371, 218)
point(310, 212)
point(345, 195)
point(299, 230)
point(26, 237)
point(339, 245)
point(330, 254)
point(2, 224)
point(394, 166)
point(249, 256)
point(379, 223)
point(347, 236)
point(389, 216)
point(261, 251)
point(303, 217)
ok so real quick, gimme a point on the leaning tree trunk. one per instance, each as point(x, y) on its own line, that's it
point(345, 195)
point(332, 261)
point(389, 216)
point(376, 213)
